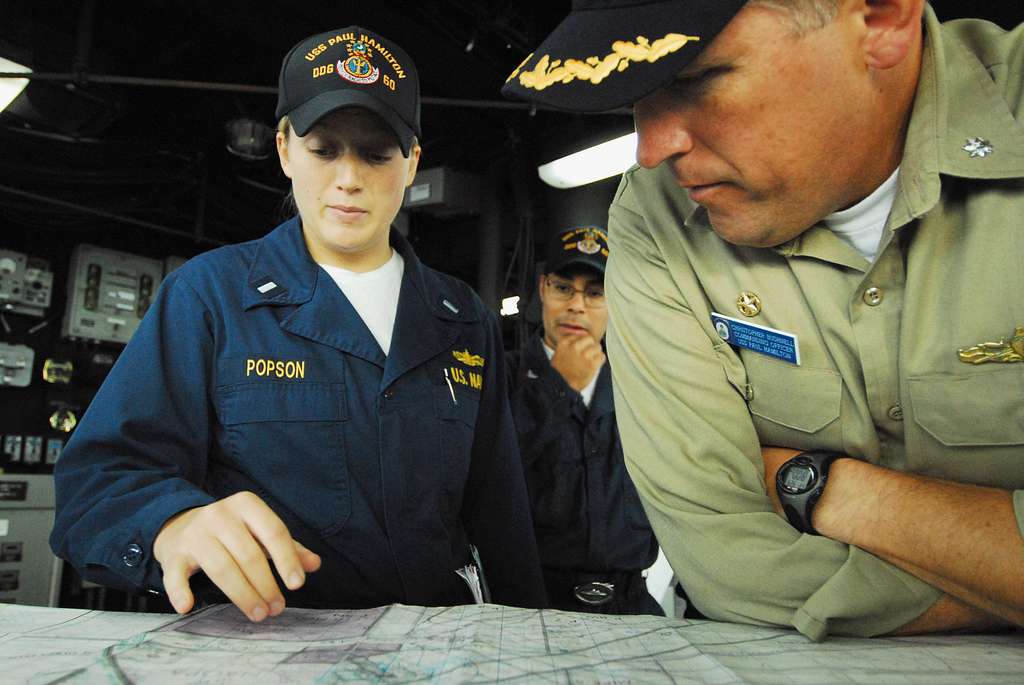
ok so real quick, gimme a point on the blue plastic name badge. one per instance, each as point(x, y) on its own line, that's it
point(760, 339)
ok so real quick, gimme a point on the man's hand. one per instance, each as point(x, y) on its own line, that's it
point(230, 540)
point(577, 359)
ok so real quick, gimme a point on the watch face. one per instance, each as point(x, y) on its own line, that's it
point(797, 478)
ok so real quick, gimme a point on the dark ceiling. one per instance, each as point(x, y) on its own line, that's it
point(83, 152)
point(154, 149)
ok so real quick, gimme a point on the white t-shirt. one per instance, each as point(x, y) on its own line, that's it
point(588, 391)
point(374, 295)
point(861, 226)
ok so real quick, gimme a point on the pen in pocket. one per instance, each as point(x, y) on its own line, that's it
point(450, 388)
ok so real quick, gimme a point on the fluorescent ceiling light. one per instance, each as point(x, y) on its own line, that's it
point(11, 88)
point(593, 164)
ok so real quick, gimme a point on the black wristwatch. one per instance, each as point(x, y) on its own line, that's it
point(800, 483)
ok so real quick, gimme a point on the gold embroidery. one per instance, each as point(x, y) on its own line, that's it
point(1004, 350)
point(468, 359)
point(549, 72)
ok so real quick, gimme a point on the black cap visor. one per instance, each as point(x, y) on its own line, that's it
point(305, 116)
point(604, 58)
point(592, 262)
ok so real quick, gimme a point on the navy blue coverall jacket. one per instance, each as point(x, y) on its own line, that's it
point(586, 510)
point(252, 371)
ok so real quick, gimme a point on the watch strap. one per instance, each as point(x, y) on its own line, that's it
point(799, 508)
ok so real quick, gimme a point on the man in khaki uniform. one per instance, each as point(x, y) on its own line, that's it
point(817, 327)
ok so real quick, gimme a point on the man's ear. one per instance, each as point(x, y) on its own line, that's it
point(540, 287)
point(892, 28)
point(282, 152)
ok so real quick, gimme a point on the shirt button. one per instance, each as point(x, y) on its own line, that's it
point(873, 296)
point(132, 555)
point(389, 393)
point(896, 412)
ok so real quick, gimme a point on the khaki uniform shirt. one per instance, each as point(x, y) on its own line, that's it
point(879, 376)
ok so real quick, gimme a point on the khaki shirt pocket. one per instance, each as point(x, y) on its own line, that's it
point(971, 409)
point(790, 402)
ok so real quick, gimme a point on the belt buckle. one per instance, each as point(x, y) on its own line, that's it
point(594, 593)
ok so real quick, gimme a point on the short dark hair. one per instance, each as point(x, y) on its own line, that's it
point(807, 15)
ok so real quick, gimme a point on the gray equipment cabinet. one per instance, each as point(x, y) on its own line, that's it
point(29, 573)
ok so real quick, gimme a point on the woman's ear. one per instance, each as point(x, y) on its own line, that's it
point(414, 163)
point(282, 152)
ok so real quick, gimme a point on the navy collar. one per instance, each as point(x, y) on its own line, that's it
point(284, 273)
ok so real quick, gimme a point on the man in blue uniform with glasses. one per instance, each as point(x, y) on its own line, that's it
point(592, 532)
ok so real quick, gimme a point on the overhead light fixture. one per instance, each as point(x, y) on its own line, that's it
point(11, 87)
point(249, 139)
point(601, 161)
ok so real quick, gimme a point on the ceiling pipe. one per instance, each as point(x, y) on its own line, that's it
point(81, 78)
point(109, 215)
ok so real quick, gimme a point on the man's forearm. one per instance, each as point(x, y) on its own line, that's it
point(963, 539)
point(950, 614)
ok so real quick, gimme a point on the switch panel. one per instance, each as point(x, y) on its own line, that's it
point(33, 450)
point(16, 365)
point(26, 284)
point(12, 448)
point(108, 293)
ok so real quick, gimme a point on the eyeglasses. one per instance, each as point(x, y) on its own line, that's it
point(562, 291)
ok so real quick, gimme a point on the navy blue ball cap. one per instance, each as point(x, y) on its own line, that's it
point(350, 67)
point(610, 53)
point(578, 246)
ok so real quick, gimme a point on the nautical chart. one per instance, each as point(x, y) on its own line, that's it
point(474, 643)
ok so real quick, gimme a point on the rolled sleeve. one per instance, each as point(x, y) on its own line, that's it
point(694, 454)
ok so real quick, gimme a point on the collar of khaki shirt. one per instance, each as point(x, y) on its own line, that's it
point(958, 98)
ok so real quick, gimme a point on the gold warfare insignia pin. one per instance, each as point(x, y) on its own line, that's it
point(1001, 351)
point(468, 359)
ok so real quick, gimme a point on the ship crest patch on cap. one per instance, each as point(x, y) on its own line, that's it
point(357, 67)
point(588, 245)
point(586, 241)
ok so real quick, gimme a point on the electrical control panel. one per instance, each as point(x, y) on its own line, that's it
point(108, 293)
point(26, 284)
point(16, 365)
